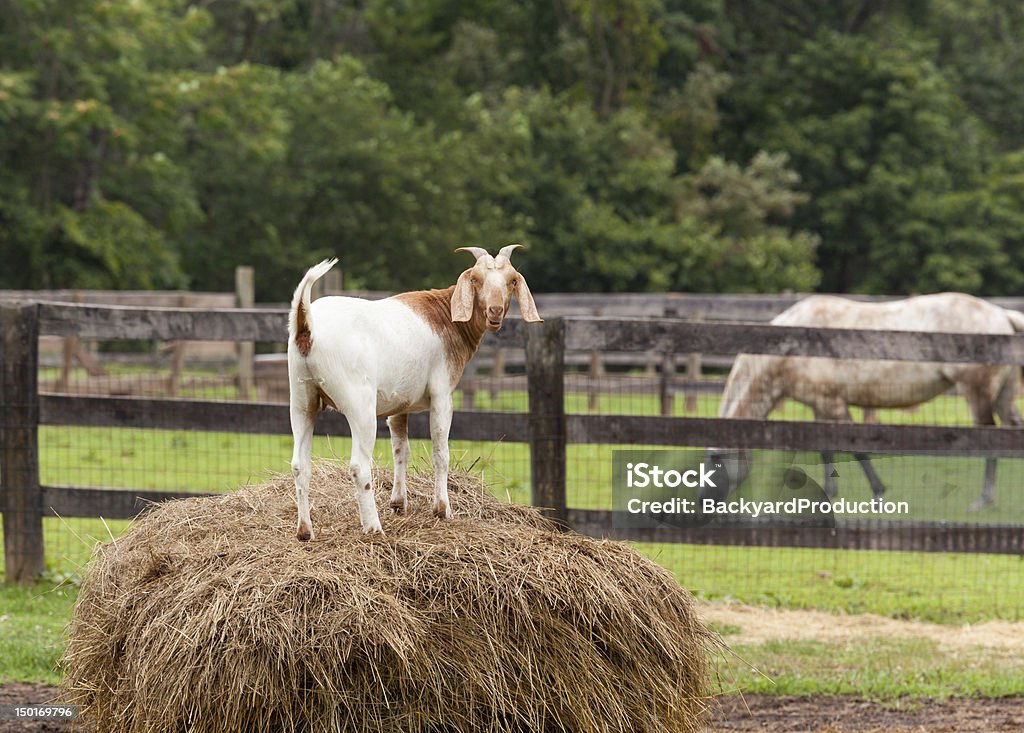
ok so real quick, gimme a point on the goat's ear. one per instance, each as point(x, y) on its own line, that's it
point(527, 308)
point(463, 297)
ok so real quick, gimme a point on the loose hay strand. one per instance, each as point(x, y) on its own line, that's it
point(207, 615)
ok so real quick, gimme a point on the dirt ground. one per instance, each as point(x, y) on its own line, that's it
point(782, 714)
point(749, 714)
point(17, 693)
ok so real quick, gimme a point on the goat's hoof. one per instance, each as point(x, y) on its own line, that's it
point(374, 529)
point(400, 507)
point(442, 510)
point(304, 533)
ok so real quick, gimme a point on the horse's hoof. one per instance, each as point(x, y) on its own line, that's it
point(978, 504)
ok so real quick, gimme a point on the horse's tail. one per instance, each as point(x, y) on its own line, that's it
point(1016, 319)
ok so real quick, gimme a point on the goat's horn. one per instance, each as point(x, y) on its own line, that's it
point(477, 252)
point(507, 250)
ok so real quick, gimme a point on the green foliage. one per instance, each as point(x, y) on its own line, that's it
point(889, 154)
point(80, 82)
point(648, 144)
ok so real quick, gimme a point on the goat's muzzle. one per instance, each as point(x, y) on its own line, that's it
point(495, 315)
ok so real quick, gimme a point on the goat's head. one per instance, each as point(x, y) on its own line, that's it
point(489, 286)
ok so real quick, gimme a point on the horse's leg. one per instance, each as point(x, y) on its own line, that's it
point(830, 486)
point(840, 412)
point(1005, 406)
point(828, 457)
point(877, 487)
point(988, 490)
point(981, 404)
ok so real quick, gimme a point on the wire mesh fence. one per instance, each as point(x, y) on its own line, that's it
point(200, 461)
point(939, 488)
point(115, 453)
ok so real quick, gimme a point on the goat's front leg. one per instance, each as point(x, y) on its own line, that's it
point(440, 424)
point(399, 426)
point(364, 433)
point(303, 418)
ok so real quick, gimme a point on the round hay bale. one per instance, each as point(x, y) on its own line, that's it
point(208, 615)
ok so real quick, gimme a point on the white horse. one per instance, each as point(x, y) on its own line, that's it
point(829, 387)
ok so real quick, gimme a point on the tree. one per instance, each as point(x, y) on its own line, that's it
point(82, 103)
point(878, 136)
point(607, 211)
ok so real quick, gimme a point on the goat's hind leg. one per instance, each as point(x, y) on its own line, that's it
point(303, 408)
point(364, 433)
point(399, 426)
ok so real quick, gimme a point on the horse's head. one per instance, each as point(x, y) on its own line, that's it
point(735, 467)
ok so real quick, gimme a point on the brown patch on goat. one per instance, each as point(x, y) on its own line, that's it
point(303, 338)
point(460, 339)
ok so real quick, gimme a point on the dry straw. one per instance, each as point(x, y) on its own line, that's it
point(209, 616)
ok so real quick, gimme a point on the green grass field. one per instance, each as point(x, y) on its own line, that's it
point(950, 589)
point(880, 668)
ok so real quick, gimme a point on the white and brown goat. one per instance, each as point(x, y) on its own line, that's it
point(388, 358)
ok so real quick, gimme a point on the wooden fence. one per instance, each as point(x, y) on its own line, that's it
point(546, 427)
point(70, 350)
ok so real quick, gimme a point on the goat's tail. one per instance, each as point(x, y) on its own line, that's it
point(1016, 319)
point(299, 326)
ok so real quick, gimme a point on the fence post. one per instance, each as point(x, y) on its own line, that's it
point(693, 371)
point(668, 372)
point(595, 373)
point(178, 353)
point(497, 371)
point(245, 290)
point(24, 558)
point(545, 371)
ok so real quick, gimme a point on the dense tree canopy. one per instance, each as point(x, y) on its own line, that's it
point(703, 145)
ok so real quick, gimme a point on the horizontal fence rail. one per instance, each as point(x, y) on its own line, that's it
point(614, 334)
point(852, 535)
point(255, 418)
point(187, 324)
point(162, 324)
point(80, 501)
point(513, 427)
point(582, 334)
